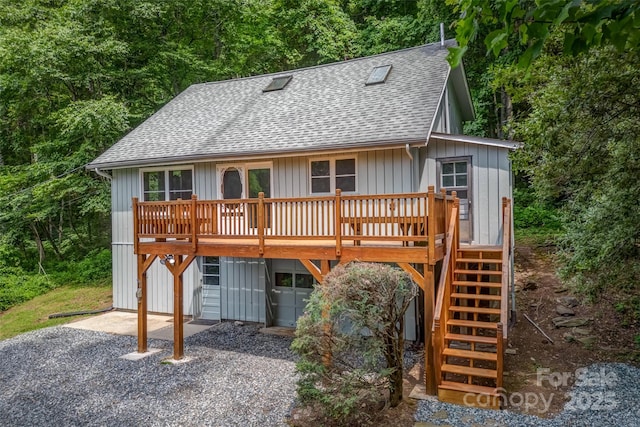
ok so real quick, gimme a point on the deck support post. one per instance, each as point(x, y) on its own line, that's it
point(429, 356)
point(178, 325)
point(177, 270)
point(144, 262)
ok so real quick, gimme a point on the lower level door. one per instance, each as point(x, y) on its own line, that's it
point(289, 296)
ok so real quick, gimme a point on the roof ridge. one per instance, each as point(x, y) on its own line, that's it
point(448, 43)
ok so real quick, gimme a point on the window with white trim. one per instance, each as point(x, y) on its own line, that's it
point(167, 184)
point(327, 175)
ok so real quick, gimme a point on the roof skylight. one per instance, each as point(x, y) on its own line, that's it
point(379, 75)
point(278, 83)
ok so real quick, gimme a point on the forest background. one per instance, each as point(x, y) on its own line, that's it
point(561, 76)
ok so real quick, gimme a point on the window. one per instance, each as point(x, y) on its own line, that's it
point(240, 181)
point(329, 175)
point(378, 75)
point(454, 176)
point(300, 280)
point(278, 83)
point(167, 184)
point(231, 184)
point(211, 270)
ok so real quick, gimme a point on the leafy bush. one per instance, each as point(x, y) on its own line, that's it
point(16, 287)
point(351, 340)
point(532, 216)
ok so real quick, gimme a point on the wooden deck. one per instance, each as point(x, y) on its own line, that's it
point(407, 228)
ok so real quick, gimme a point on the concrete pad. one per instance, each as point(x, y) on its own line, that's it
point(137, 356)
point(172, 361)
point(120, 323)
point(166, 332)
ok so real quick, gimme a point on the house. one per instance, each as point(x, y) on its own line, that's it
point(249, 190)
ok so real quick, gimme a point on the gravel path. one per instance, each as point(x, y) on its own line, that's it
point(62, 376)
point(608, 395)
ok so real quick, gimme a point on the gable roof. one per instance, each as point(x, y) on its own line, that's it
point(326, 107)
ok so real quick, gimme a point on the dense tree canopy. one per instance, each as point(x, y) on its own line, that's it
point(581, 24)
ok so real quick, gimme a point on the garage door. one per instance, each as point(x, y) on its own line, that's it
point(291, 286)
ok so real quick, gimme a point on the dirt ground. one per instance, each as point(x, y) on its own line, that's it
point(539, 373)
point(538, 291)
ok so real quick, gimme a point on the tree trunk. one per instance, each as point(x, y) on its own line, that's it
point(395, 351)
point(39, 244)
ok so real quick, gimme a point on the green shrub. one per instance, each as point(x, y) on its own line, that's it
point(351, 340)
point(18, 287)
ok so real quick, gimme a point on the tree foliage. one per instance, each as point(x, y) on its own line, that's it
point(582, 24)
point(351, 338)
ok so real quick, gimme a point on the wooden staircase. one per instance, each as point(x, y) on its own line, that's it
point(470, 319)
point(469, 369)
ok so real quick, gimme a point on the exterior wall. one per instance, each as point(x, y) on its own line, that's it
point(455, 116)
point(490, 181)
point(378, 172)
point(124, 186)
point(448, 118)
point(242, 289)
point(243, 281)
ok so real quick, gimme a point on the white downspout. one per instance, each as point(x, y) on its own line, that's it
point(408, 150)
point(102, 174)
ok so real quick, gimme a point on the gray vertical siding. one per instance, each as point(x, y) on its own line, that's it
point(125, 186)
point(490, 175)
point(242, 291)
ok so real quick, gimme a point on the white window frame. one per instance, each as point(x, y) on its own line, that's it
point(332, 173)
point(166, 170)
point(243, 168)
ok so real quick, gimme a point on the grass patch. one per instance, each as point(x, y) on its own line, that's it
point(34, 314)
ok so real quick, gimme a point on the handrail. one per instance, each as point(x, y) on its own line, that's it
point(443, 299)
point(447, 262)
point(506, 263)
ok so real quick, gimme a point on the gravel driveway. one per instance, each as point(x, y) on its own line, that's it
point(62, 376)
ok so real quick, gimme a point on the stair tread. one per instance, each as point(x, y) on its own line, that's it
point(482, 272)
point(480, 310)
point(470, 354)
point(485, 297)
point(481, 260)
point(469, 388)
point(480, 248)
point(470, 338)
point(468, 370)
point(472, 324)
point(485, 284)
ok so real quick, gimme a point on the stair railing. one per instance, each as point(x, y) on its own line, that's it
point(506, 264)
point(443, 300)
point(502, 330)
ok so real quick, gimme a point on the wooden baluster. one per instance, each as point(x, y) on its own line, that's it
point(261, 223)
point(136, 230)
point(500, 354)
point(431, 223)
point(194, 222)
point(338, 221)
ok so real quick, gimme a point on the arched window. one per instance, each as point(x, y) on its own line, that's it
point(232, 184)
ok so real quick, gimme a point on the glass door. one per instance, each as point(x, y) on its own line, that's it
point(259, 179)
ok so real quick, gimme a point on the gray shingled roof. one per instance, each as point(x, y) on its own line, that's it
point(325, 107)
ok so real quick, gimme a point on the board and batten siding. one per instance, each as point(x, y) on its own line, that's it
point(124, 186)
point(242, 289)
point(378, 172)
point(490, 181)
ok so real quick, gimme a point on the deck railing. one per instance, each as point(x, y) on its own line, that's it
point(402, 219)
